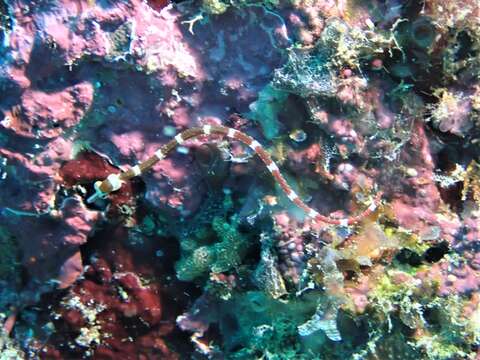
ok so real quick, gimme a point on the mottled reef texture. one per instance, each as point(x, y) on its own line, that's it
point(204, 257)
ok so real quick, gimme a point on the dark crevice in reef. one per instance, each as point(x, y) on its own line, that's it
point(436, 252)
point(410, 257)
point(433, 254)
point(412, 8)
point(453, 152)
point(464, 50)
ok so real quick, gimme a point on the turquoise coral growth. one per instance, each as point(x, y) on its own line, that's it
point(216, 248)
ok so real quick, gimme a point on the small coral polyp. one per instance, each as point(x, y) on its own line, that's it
point(114, 181)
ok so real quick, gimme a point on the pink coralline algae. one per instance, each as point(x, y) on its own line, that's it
point(422, 212)
point(463, 275)
point(44, 115)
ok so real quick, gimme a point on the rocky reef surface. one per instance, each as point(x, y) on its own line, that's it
point(204, 257)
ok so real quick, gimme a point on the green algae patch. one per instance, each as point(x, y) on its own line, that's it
point(214, 7)
point(434, 326)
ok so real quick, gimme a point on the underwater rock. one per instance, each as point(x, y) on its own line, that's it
point(48, 241)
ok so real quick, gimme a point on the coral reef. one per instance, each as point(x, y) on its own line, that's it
point(218, 257)
point(206, 255)
point(120, 308)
